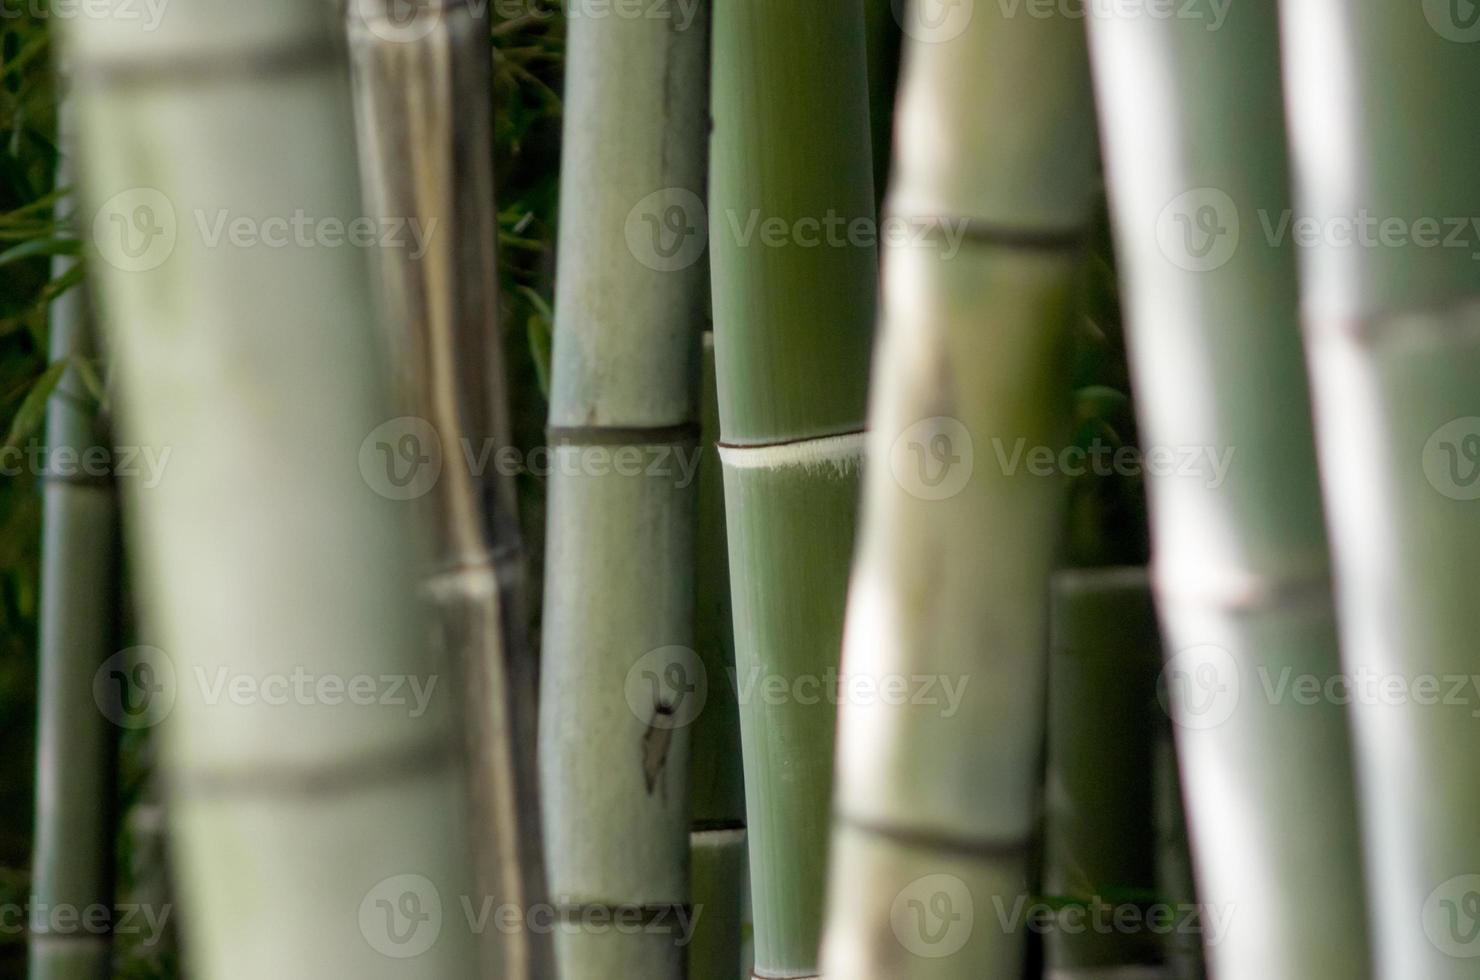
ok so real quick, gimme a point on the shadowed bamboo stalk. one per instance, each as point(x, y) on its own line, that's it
point(322, 835)
point(423, 89)
point(1385, 135)
point(792, 329)
point(621, 681)
point(72, 862)
point(717, 842)
point(1194, 145)
point(1100, 851)
point(936, 806)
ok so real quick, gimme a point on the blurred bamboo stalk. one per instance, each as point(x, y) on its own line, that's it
point(1194, 143)
point(1100, 846)
point(318, 836)
point(72, 859)
point(1385, 140)
point(792, 330)
point(937, 805)
point(717, 842)
point(423, 92)
point(622, 683)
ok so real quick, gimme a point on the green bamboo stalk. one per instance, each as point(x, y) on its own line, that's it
point(317, 836)
point(621, 681)
point(1099, 837)
point(1384, 130)
point(937, 808)
point(717, 841)
point(792, 330)
point(72, 858)
point(1194, 145)
point(1174, 878)
point(423, 92)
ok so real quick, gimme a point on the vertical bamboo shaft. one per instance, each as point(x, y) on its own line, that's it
point(72, 864)
point(423, 89)
point(936, 805)
point(1195, 152)
point(1385, 140)
point(1103, 720)
point(792, 326)
point(717, 842)
point(321, 834)
point(621, 681)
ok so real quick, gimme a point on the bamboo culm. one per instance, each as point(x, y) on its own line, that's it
point(994, 142)
point(622, 683)
point(334, 827)
point(423, 93)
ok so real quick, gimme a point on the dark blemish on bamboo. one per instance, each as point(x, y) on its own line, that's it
point(686, 434)
point(656, 742)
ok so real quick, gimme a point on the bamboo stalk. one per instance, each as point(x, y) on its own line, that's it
point(1194, 144)
point(936, 809)
point(423, 92)
point(717, 841)
point(72, 859)
point(1383, 131)
point(321, 835)
point(621, 681)
point(1099, 837)
point(792, 329)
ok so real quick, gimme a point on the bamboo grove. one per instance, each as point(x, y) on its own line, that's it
point(727, 489)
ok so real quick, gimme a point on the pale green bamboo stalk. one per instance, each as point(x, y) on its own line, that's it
point(317, 836)
point(621, 683)
point(423, 91)
point(1103, 720)
point(792, 329)
point(936, 807)
point(1194, 144)
point(1383, 131)
point(717, 841)
point(72, 851)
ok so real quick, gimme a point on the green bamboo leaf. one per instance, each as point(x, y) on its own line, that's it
point(37, 247)
point(29, 416)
